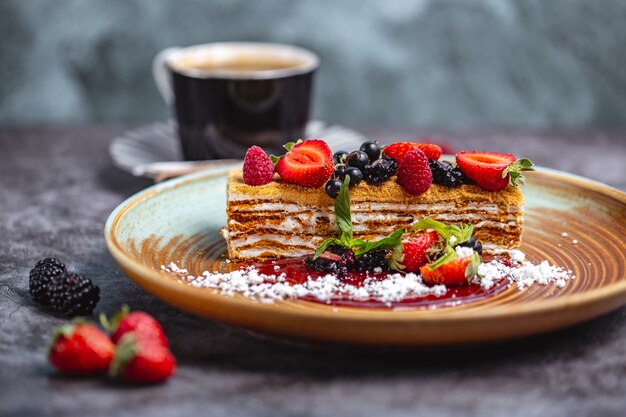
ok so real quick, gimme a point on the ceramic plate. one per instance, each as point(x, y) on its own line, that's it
point(158, 142)
point(180, 220)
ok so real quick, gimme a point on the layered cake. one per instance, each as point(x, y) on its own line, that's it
point(288, 211)
point(282, 220)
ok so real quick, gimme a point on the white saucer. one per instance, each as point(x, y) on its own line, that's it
point(158, 142)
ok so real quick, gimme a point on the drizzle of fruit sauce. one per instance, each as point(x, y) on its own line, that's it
point(297, 273)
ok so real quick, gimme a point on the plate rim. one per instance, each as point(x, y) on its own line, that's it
point(147, 277)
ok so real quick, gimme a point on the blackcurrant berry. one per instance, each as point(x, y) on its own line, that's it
point(357, 159)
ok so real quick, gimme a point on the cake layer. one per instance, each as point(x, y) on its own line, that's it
point(283, 220)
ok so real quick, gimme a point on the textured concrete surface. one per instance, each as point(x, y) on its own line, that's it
point(480, 63)
point(57, 187)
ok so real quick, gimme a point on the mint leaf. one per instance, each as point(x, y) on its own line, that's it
point(342, 211)
point(325, 244)
point(388, 242)
point(449, 255)
point(441, 228)
point(471, 270)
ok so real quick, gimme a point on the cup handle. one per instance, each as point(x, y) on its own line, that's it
point(161, 74)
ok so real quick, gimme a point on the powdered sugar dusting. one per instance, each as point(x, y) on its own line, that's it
point(523, 273)
point(394, 287)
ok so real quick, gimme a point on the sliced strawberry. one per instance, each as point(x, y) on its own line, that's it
point(416, 249)
point(399, 150)
point(451, 273)
point(431, 150)
point(308, 163)
point(486, 168)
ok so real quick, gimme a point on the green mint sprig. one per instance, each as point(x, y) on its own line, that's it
point(344, 223)
point(461, 234)
point(514, 171)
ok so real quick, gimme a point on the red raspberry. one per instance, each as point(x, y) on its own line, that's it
point(258, 168)
point(414, 173)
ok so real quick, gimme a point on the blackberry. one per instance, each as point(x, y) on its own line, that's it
point(336, 260)
point(40, 277)
point(372, 260)
point(73, 294)
point(380, 171)
point(445, 174)
point(473, 243)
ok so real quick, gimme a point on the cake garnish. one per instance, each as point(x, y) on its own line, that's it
point(307, 163)
point(493, 171)
point(346, 239)
point(258, 168)
point(399, 150)
point(414, 173)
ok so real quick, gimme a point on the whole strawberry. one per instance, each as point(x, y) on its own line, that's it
point(258, 168)
point(80, 348)
point(414, 173)
point(142, 360)
point(415, 251)
point(136, 321)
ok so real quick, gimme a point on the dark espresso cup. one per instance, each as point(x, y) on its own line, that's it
point(229, 96)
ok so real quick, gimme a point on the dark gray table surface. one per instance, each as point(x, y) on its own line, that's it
point(57, 187)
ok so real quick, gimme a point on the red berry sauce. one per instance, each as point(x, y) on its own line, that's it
point(296, 273)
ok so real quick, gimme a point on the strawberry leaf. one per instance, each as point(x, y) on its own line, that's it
point(275, 159)
point(514, 171)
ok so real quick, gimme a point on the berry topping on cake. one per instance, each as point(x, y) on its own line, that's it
point(339, 157)
point(446, 174)
point(493, 171)
point(372, 149)
point(431, 150)
point(414, 173)
point(307, 163)
point(380, 170)
point(258, 168)
point(399, 150)
point(357, 159)
point(355, 174)
point(416, 250)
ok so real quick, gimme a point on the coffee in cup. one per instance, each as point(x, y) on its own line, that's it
point(230, 96)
